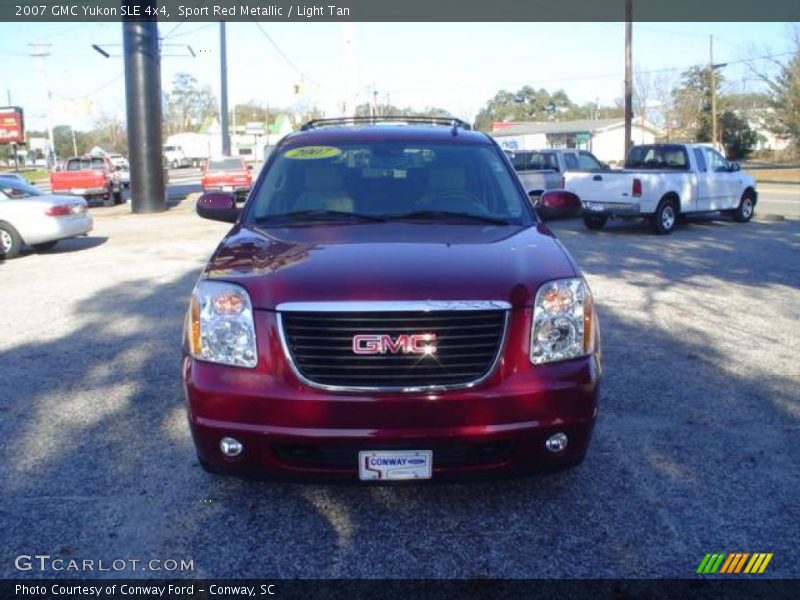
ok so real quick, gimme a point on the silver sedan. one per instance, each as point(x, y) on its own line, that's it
point(29, 216)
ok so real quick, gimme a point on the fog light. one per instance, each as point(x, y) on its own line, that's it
point(231, 446)
point(556, 443)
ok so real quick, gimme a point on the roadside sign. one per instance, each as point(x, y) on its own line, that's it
point(12, 125)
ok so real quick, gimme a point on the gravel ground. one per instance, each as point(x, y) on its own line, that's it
point(695, 450)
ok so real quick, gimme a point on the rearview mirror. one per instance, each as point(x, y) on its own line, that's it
point(558, 203)
point(218, 207)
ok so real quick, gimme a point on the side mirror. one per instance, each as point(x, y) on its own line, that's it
point(249, 167)
point(218, 207)
point(558, 203)
point(735, 167)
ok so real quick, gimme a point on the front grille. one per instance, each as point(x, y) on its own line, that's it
point(320, 345)
point(344, 457)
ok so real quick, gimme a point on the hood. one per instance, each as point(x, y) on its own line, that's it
point(390, 261)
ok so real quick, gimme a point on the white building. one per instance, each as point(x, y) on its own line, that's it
point(605, 138)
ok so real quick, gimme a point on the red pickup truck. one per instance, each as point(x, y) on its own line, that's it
point(227, 174)
point(92, 177)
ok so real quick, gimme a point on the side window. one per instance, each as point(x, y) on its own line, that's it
point(570, 161)
point(700, 160)
point(715, 160)
point(74, 165)
point(587, 162)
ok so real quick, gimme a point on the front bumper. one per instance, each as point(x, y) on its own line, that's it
point(289, 429)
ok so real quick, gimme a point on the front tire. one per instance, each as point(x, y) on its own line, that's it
point(117, 197)
point(747, 207)
point(45, 246)
point(10, 241)
point(595, 222)
point(666, 216)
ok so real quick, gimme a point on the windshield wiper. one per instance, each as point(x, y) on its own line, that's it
point(319, 215)
point(444, 214)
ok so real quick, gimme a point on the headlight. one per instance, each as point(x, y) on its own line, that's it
point(221, 321)
point(563, 321)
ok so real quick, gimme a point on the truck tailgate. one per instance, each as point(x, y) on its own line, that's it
point(608, 186)
point(75, 181)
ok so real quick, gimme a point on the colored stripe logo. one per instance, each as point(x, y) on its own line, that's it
point(734, 563)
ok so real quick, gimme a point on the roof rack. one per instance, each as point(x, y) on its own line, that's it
point(446, 121)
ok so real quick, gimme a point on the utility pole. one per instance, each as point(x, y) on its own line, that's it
point(223, 103)
point(143, 93)
point(42, 51)
point(713, 83)
point(628, 74)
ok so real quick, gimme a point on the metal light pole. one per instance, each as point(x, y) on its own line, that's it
point(223, 102)
point(628, 74)
point(143, 92)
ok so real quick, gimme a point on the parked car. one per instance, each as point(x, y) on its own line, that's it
point(388, 306)
point(661, 182)
point(119, 161)
point(227, 174)
point(29, 216)
point(14, 176)
point(93, 177)
point(122, 169)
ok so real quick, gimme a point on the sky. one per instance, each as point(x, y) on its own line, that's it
point(456, 66)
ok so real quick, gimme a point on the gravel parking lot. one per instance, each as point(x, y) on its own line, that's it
point(696, 448)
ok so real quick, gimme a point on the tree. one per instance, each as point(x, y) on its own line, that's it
point(737, 136)
point(109, 133)
point(526, 104)
point(784, 95)
point(188, 104)
point(692, 104)
point(365, 110)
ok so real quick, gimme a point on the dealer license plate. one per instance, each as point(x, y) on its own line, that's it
point(79, 191)
point(387, 465)
point(227, 188)
point(595, 206)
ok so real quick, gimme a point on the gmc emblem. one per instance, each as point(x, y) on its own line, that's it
point(381, 343)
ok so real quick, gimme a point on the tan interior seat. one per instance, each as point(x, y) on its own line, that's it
point(323, 190)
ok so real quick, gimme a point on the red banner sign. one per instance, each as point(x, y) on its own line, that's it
point(12, 125)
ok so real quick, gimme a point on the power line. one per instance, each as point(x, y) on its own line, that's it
point(278, 49)
point(174, 29)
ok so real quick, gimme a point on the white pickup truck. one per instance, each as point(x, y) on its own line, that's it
point(660, 182)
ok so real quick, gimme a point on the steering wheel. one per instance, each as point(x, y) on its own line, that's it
point(457, 201)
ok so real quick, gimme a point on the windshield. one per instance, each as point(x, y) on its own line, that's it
point(18, 189)
point(226, 164)
point(665, 156)
point(375, 180)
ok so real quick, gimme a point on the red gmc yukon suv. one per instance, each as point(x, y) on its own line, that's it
point(388, 306)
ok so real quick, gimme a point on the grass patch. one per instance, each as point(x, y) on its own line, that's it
point(768, 175)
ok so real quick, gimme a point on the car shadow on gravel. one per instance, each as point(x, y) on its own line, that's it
point(97, 462)
point(64, 246)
